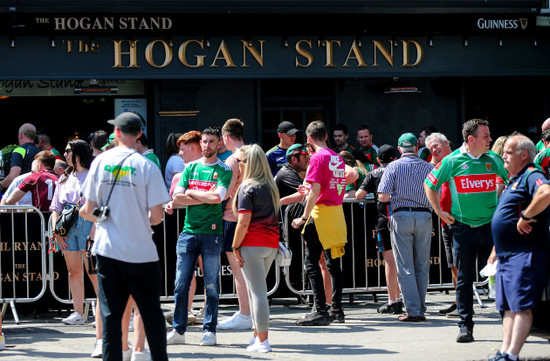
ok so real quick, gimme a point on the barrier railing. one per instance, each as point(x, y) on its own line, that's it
point(361, 265)
point(166, 236)
point(23, 279)
point(21, 232)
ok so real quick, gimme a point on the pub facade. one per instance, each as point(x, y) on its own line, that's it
point(397, 66)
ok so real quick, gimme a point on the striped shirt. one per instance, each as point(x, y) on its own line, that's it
point(403, 180)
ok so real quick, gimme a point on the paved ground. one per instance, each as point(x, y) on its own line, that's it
point(365, 335)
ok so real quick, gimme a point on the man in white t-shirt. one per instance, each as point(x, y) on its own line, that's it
point(127, 260)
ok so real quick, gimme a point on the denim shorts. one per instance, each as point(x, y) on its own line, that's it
point(76, 238)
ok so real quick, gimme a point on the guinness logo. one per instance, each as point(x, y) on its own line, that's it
point(523, 22)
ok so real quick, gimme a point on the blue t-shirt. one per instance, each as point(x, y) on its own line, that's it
point(276, 157)
point(515, 198)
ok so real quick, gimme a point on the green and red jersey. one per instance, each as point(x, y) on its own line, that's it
point(473, 184)
point(205, 218)
point(543, 160)
point(371, 153)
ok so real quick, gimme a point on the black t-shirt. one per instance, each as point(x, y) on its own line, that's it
point(370, 185)
point(23, 156)
point(287, 181)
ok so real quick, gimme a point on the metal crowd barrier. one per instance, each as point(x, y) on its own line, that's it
point(23, 279)
point(362, 265)
point(166, 236)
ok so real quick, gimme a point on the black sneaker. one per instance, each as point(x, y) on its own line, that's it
point(318, 318)
point(465, 336)
point(337, 316)
point(387, 308)
point(447, 310)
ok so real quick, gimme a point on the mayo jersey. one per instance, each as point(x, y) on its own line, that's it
point(473, 184)
point(205, 218)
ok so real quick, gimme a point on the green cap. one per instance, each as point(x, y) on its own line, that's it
point(111, 138)
point(296, 149)
point(407, 140)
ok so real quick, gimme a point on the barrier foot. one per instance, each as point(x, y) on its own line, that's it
point(479, 298)
point(86, 311)
point(14, 313)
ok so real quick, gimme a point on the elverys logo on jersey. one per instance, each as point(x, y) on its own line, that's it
point(120, 172)
point(476, 183)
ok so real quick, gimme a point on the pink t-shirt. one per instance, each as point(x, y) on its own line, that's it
point(327, 168)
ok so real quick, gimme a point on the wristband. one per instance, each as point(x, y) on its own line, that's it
point(236, 248)
point(304, 219)
point(524, 217)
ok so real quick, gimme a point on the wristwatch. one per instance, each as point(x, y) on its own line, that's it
point(235, 248)
point(304, 219)
point(524, 217)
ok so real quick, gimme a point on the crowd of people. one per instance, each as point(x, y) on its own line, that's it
point(493, 206)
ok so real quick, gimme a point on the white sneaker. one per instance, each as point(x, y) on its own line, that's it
point(252, 341)
point(127, 354)
point(174, 338)
point(2, 342)
point(131, 324)
point(209, 339)
point(144, 355)
point(191, 318)
point(75, 318)
point(237, 322)
point(259, 346)
point(98, 349)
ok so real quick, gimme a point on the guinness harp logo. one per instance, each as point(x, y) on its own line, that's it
point(523, 23)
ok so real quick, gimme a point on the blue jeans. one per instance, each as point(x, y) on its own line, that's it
point(469, 243)
point(411, 234)
point(188, 249)
point(118, 280)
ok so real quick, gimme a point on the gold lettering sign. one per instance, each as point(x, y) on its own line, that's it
point(193, 53)
point(182, 54)
point(167, 54)
point(132, 53)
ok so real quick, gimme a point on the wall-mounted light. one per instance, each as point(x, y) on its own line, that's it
point(285, 42)
point(170, 42)
point(535, 43)
point(500, 43)
point(358, 41)
point(394, 40)
point(322, 41)
point(430, 42)
point(93, 43)
point(466, 41)
point(207, 41)
point(52, 43)
point(249, 41)
point(12, 42)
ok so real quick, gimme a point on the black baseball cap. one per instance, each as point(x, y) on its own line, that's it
point(386, 153)
point(287, 127)
point(128, 123)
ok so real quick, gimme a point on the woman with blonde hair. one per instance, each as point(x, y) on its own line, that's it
point(256, 237)
point(498, 145)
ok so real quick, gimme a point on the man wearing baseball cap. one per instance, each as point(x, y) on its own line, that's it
point(276, 156)
point(402, 184)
